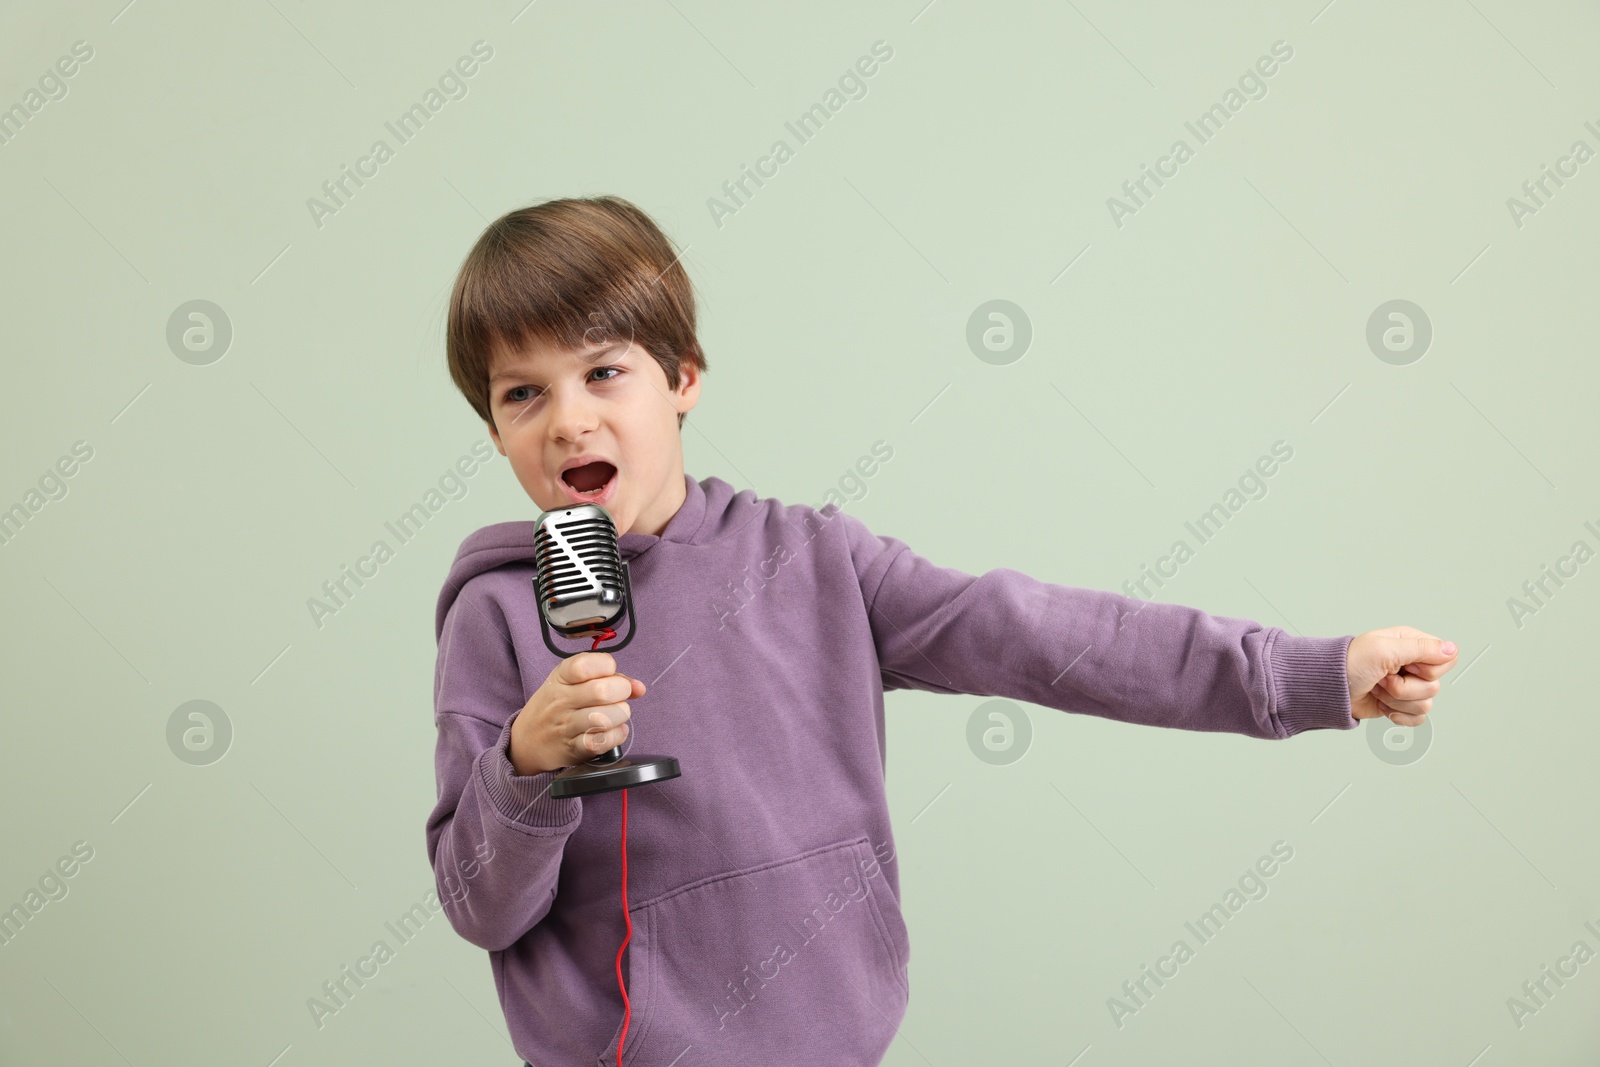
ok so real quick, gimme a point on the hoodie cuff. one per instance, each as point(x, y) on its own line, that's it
point(1310, 682)
point(525, 798)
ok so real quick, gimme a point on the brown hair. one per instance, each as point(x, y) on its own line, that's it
point(569, 273)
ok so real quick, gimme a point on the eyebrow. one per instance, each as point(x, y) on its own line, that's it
point(514, 373)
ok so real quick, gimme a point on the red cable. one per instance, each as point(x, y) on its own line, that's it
point(627, 1008)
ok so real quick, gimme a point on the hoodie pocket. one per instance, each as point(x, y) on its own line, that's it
point(759, 964)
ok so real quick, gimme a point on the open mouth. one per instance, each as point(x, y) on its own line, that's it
point(590, 481)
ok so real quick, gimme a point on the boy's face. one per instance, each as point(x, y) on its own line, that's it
point(610, 402)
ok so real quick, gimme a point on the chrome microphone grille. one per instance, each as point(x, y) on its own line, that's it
point(579, 582)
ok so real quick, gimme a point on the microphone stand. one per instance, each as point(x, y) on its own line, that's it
point(609, 770)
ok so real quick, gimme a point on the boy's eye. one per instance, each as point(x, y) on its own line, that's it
point(511, 394)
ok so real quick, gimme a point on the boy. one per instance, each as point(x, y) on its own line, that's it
point(762, 888)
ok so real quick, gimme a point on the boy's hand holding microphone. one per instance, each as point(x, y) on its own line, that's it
point(580, 711)
point(1396, 672)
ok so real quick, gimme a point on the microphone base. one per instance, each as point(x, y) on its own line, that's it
point(588, 778)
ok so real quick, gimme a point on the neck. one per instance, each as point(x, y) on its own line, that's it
point(654, 518)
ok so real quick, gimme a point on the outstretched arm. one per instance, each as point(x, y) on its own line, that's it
point(1007, 634)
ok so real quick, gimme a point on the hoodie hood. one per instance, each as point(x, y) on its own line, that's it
point(710, 510)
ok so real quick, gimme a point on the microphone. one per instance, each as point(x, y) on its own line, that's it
point(583, 587)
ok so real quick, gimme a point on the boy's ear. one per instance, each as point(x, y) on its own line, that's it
point(494, 435)
point(688, 391)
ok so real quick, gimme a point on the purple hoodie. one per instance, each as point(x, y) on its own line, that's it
point(762, 884)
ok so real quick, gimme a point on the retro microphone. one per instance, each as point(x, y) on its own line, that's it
point(583, 588)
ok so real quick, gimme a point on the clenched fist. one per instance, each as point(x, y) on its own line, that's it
point(1396, 672)
point(580, 711)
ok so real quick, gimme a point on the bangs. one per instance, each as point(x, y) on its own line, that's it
point(570, 274)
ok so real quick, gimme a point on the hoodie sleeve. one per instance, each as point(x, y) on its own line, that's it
point(495, 837)
point(1098, 653)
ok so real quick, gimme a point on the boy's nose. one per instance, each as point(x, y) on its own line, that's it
point(571, 414)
